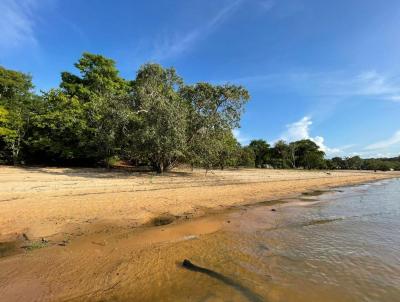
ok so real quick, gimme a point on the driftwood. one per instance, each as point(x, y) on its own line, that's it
point(251, 296)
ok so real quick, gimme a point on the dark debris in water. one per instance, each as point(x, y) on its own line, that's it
point(321, 221)
point(247, 292)
point(315, 193)
point(163, 219)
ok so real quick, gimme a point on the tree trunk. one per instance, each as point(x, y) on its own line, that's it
point(15, 147)
point(160, 168)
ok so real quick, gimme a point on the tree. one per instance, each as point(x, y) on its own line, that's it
point(96, 115)
point(58, 129)
point(98, 77)
point(104, 98)
point(162, 116)
point(261, 152)
point(306, 153)
point(246, 157)
point(228, 150)
point(16, 99)
point(354, 163)
point(213, 112)
point(83, 121)
point(338, 163)
point(280, 155)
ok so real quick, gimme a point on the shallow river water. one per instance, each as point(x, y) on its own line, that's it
point(338, 245)
point(342, 245)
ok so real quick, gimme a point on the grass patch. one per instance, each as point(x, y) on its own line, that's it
point(35, 245)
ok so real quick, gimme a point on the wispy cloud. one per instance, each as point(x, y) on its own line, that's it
point(337, 85)
point(371, 84)
point(170, 46)
point(17, 24)
point(384, 144)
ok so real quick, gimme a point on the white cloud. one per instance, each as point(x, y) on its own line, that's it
point(301, 130)
point(177, 44)
point(242, 139)
point(298, 130)
point(17, 24)
point(384, 144)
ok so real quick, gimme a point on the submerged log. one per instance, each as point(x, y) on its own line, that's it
point(248, 293)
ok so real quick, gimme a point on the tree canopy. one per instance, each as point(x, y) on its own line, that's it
point(95, 117)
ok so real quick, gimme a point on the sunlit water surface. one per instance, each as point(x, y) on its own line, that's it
point(344, 247)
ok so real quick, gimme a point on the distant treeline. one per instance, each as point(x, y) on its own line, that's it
point(306, 154)
point(98, 118)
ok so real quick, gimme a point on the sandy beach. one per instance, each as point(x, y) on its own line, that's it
point(89, 234)
point(42, 202)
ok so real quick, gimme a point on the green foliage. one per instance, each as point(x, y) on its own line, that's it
point(98, 77)
point(58, 128)
point(261, 152)
point(357, 163)
point(306, 154)
point(213, 111)
point(162, 116)
point(111, 161)
point(16, 100)
point(97, 117)
point(246, 157)
point(14, 86)
point(4, 119)
point(299, 154)
point(281, 155)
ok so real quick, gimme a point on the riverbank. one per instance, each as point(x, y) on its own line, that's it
point(97, 248)
point(45, 202)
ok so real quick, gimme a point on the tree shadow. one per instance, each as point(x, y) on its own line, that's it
point(119, 172)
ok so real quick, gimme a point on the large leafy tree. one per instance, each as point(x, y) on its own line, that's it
point(98, 76)
point(85, 118)
point(57, 129)
point(307, 154)
point(213, 112)
point(162, 117)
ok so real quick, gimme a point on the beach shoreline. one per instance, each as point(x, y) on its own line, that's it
point(44, 202)
point(94, 259)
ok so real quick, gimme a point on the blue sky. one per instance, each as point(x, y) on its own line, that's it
point(324, 70)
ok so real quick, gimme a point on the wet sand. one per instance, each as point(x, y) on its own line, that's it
point(99, 239)
point(106, 262)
